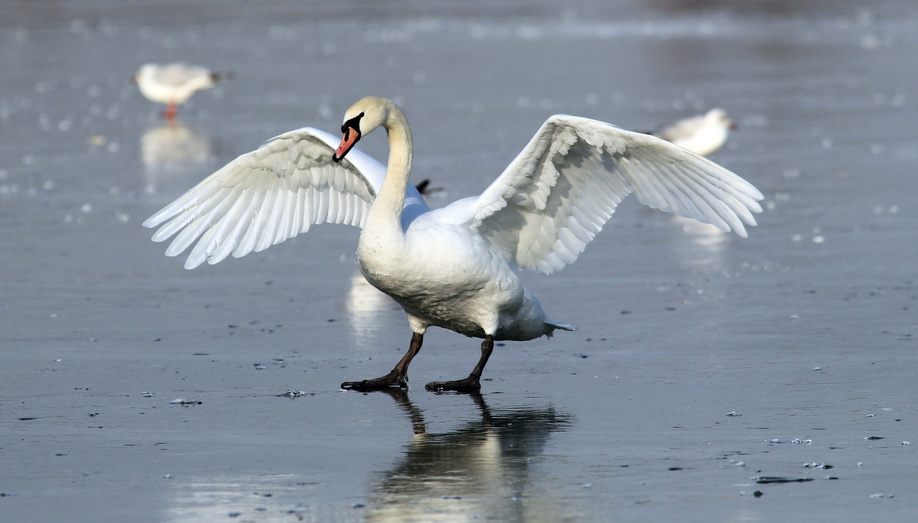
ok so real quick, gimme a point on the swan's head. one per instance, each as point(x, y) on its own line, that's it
point(718, 116)
point(362, 118)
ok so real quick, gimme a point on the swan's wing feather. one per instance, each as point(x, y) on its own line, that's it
point(561, 189)
point(269, 195)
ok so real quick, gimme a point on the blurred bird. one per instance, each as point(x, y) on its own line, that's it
point(702, 134)
point(173, 84)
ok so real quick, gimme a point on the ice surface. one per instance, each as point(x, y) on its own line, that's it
point(807, 328)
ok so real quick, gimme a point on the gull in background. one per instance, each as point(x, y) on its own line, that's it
point(174, 84)
point(702, 134)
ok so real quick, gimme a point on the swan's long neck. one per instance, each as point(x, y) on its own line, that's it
point(387, 208)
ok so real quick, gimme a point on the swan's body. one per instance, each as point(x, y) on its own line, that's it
point(173, 84)
point(702, 134)
point(451, 267)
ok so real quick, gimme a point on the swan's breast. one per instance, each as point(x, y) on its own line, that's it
point(443, 275)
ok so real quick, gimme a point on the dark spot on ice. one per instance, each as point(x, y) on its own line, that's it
point(675, 468)
point(874, 438)
point(157, 339)
point(627, 312)
point(331, 320)
point(27, 419)
point(757, 493)
point(766, 480)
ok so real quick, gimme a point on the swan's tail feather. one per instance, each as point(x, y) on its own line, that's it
point(553, 325)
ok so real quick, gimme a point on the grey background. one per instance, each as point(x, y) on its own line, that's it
point(702, 363)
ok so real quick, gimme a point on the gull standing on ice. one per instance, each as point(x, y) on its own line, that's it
point(451, 267)
point(173, 84)
point(702, 134)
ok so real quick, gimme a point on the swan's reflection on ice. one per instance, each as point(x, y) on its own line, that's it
point(366, 307)
point(485, 469)
point(698, 246)
point(480, 471)
point(171, 153)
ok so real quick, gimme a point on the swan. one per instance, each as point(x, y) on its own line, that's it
point(451, 267)
point(173, 84)
point(702, 134)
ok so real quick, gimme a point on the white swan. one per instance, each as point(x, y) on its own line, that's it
point(173, 84)
point(449, 267)
point(702, 134)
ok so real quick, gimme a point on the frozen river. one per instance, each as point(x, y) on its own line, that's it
point(712, 378)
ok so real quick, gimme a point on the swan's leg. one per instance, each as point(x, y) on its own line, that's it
point(471, 383)
point(399, 375)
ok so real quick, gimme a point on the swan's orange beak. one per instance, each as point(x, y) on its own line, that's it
point(347, 142)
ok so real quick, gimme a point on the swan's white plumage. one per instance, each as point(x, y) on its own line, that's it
point(540, 213)
point(559, 191)
point(450, 267)
point(269, 195)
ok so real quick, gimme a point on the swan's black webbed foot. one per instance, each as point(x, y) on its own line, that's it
point(398, 378)
point(391, 380)
point(469, 384)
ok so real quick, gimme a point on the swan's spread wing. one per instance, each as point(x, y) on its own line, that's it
point(268, 195)
point(560, 190)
